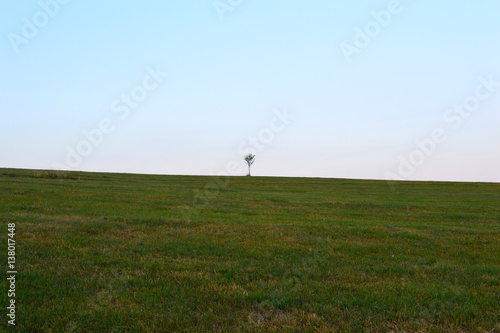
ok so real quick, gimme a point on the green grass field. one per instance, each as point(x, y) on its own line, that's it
point(142, 253)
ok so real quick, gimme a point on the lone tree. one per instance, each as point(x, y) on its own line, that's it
point(249, 159)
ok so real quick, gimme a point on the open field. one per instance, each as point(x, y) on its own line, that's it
point(133, 253)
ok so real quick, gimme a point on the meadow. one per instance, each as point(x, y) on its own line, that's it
point(99, 252)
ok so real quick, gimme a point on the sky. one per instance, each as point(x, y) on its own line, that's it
point(406, 90)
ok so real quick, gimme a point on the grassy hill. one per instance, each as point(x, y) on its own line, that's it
point(130, 253)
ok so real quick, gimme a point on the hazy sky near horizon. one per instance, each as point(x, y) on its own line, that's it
point(345, 89)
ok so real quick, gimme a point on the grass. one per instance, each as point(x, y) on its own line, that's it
point(144, 253)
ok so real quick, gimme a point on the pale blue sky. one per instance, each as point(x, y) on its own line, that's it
point(353, 119)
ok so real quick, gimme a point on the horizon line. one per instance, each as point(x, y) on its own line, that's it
point(257, 176)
